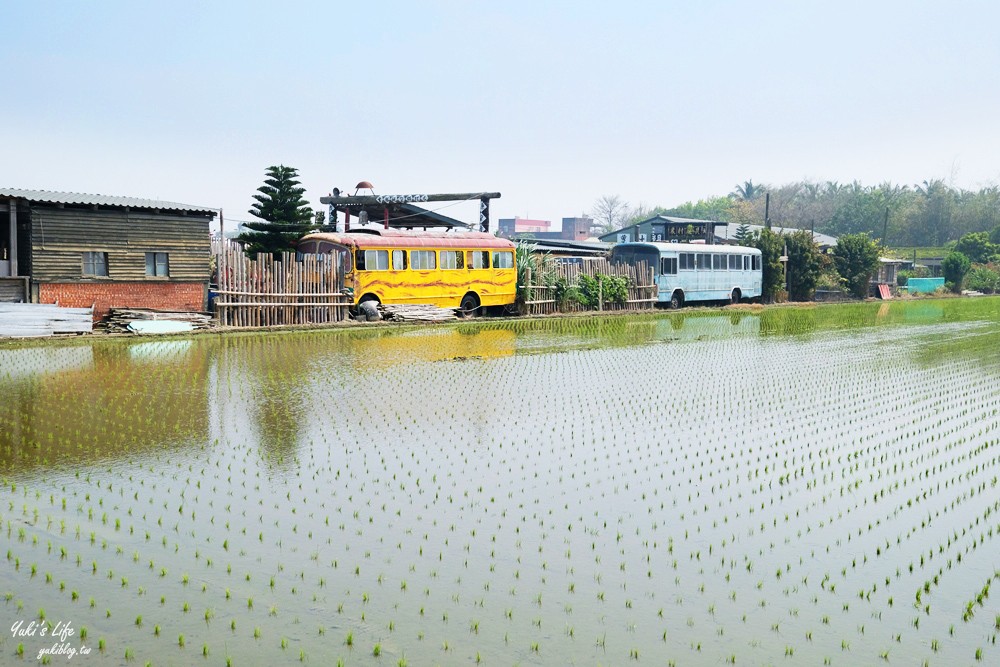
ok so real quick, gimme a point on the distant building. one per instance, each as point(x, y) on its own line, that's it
point(665, 229)
point(573, 229)
point(509, 227)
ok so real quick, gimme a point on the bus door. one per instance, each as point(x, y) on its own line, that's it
point(666, 279)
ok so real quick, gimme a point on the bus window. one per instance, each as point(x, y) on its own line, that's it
point(668, 265)
point(734, 262)
point(718, 262)
point(398, 260)
point(704, 261)
point(479, 259)
point(687, 261)
point(422, 260)
point(756, 262)
point(746, 262)
point(503, 260)
point(452, 259)
point(373, 260)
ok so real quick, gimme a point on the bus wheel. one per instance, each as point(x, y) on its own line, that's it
point(735, 298)
point(469, 305)
point(676, 300)
point(368, 310)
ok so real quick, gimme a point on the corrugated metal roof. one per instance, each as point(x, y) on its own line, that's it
point(729, 233)
point(49, 197)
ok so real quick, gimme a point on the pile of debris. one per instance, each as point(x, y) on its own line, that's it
point(415, 313)
point(120, 318)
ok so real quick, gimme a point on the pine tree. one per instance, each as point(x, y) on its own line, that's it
point(742, 233)
point(285, 213)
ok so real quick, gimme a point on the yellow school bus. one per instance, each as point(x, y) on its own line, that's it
point(465, 270)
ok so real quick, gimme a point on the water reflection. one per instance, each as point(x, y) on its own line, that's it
point(112, 398)
point(86, 403)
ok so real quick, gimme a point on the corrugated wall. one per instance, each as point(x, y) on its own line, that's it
point(61, 236)
point(914, 285)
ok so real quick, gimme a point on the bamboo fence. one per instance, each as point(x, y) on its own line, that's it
point(642, 288)
point(265, 292)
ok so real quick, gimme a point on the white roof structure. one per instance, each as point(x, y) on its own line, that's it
point(728, 233)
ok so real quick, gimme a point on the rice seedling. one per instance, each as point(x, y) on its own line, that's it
point(632, 462)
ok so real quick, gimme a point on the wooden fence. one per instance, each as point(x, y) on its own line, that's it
point(266, 292)
point(642, 289)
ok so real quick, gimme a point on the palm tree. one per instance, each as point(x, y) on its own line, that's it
point(812, 190)
point(748, 191)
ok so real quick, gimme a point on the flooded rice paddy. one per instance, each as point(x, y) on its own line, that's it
point(797, 486)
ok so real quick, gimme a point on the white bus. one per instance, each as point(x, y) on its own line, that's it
point(687, 272)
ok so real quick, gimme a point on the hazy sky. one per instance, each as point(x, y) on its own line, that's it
point(553, 104)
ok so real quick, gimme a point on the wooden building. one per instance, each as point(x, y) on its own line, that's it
point(83, 250)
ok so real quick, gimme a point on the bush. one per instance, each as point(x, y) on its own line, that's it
point(612, 288)
point(982, 278)
point(830, 281)
point(615, 289)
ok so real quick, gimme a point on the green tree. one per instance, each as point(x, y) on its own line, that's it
point(713, 208)
point(770, 245)
point(803, 265)
point(856, 260)
point(286, 215)
point(955, 266)
point(977, 247)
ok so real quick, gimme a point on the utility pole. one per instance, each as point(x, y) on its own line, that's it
point(767, 210)
point(885, 228)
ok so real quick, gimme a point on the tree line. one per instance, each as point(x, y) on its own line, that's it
point(929, 214)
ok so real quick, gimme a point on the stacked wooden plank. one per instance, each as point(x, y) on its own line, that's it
point(120, 318)
point(416, 313)
point(23, 320)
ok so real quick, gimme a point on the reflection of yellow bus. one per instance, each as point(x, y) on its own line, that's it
point(425, 345)
point(465, 270)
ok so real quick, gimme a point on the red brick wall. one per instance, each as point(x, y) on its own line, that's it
point(107, 295)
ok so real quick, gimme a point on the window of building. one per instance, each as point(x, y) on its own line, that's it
point(157, 264)
point(687, 261)
point(503, 260)
point(704, 261)
point(372, 260)
point(668, 265)
point(479, 259)
point(95, 264)
point(398, 260)
point(452, 259)
point(423, 260)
